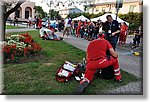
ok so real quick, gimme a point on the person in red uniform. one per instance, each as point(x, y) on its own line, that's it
point(78, 29)
point(97, 59)
point(40, 23)
point(123, 33)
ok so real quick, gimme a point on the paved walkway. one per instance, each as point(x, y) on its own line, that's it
point(128, 62)
point(18, 30)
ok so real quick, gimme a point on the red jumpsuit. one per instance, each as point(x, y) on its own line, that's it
point(96, 59)
point(40, 23)
point(123, 34)
point(78, 29)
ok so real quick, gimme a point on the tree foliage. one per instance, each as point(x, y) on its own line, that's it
point(9, 6)
point(54, 14)
point(88, 15)
point(134, 19)
point(38, 9)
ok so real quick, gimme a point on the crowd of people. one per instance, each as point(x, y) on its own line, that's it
point(36, 22)
point(90, 30)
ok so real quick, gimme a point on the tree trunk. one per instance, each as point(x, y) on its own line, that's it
point(4, 23)
point(6, 15)
point(2, 29)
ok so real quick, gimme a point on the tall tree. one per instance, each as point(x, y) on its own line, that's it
point(38, 9)
point(9, 6)
point(54, 14)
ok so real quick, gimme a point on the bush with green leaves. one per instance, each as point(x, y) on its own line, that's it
point(134, 19)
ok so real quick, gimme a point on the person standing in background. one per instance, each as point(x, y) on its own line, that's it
point(79, 27)
point(91, 31)
point(112, 30)
point(123, 33)
point(30, 21)
point(37, 22)
point(67, 26)
point(96, 31)
point(15, 21)
point(136, 39)
point(40, 23)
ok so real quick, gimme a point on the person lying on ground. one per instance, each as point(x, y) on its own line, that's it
point(47, 34)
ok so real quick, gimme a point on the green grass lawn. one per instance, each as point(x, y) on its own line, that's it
point(12, 27)
point(37, 76)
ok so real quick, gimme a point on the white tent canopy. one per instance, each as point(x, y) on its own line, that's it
point(103, 18)
point(82, 18)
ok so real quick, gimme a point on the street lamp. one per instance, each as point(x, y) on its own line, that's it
point(119, 4)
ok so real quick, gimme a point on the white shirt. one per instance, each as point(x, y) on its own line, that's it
point(30, 19)
point(66, 22)
point(100, 30)
point(49, 33)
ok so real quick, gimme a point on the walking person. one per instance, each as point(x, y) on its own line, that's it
point(67, 26)
point(112, 30)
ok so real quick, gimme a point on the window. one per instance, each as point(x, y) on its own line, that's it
point(97, 9)
point(132, 8)
point(103, 9)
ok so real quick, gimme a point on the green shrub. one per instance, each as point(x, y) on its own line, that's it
point(134, 19)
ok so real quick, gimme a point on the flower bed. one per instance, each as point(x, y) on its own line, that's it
point(17, 46)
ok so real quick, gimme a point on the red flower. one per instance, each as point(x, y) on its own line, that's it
point(12, 56)
point(25, 50)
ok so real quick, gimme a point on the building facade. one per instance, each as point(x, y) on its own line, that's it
point(24, 11)
point(64, 12)
point(109, 6)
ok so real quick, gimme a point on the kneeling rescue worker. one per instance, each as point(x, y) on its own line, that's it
point(97, 59)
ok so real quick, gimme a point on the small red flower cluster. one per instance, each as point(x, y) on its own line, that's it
point(12, 51)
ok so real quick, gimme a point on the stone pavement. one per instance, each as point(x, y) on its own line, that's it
point(19, 30)
point(128, 62)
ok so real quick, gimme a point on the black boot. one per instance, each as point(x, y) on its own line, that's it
point(80, 88)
